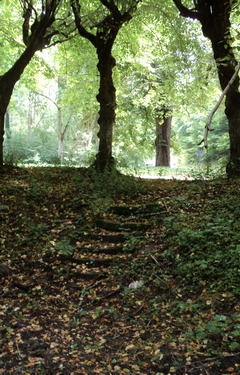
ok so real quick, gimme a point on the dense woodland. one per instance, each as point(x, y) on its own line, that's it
point(119, 179)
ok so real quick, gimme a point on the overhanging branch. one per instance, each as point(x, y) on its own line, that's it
point(76, 8)
point(209, 120)
point(185, 12)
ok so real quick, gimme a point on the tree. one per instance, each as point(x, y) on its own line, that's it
point(44, 24)
point(158, 68)
point(215, 18)
point(53, 80)
point(107, 18)
point(162, 142)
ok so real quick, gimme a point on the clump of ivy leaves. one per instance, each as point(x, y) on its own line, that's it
point(184, 318)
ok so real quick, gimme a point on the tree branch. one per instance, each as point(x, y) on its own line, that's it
point(40, 28)
point(112, 7)
point(185, 12)
point(209, 120)
point(27, 13)
point(78, 21)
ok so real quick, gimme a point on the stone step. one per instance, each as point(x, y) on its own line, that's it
point(122, 227)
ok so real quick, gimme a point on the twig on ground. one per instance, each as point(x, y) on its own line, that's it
point(22, 286)
point(139, 309)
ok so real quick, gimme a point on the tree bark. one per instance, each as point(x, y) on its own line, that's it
point(107, 30)
point(107, 100)
point(61, 133)
point(7, 128)
point(226, 64)
point(162, 142)
point(214, 16)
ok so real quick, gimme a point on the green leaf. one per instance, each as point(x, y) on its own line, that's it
point(234, 345)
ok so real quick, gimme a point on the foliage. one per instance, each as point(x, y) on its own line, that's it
point(189, 133)
point(208, 249)
point(144, 58)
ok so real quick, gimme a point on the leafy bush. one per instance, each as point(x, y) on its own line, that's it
point(206, 248)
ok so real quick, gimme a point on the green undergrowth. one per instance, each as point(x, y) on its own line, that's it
point(193, 276)
point(204, 243)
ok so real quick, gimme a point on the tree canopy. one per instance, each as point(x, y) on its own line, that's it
point(44, 24)
point(161, 59)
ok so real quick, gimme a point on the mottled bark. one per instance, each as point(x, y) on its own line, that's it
point(162, 142)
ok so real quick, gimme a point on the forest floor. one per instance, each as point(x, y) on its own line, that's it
point(111, 274)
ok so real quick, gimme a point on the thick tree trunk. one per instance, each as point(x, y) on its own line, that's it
point(162, 142)
point(226, 63)
point(107, 30)
point(214, 16)
point(233, 114)
point(232, 101)
point(1, 136)
point(107, 100)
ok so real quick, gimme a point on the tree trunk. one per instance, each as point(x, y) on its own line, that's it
point(110, 22)
point(5, 95)
point(30, 116)
point(60, 135)
point(107, 100)
point(226, 63)
point(233, 115)
point(7, 127)
point(216, 26)
point(1, 136)
point(162, 142)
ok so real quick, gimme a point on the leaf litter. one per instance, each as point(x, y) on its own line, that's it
point(66, 307)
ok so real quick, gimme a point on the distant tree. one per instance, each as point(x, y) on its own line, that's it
point(45, 23)
point(106, 18)
point(159, 67)
point(162, 141)
point(215, 18)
